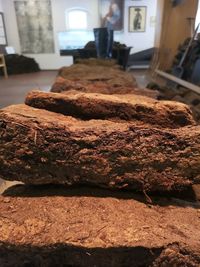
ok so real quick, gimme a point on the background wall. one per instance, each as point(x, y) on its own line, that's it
point(1, 7)
point(198, 16)
point(138, 41)
point(2, 47)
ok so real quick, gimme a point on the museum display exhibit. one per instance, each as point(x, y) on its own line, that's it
point(100, 133)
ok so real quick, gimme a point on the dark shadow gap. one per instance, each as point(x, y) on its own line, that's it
point(62, 255)
point(183, 199)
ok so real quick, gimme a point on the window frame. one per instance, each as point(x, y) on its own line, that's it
point(67, 23)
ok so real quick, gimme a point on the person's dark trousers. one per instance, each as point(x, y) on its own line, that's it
point(103, 41)
point(110, 43)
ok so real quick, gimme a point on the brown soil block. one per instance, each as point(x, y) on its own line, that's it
point(62, 85)
point(90, 227)
point(112, 63)
point(40, 147)
point(97, 79)
point(180, 94)
point(86, 106)
point(88, 73)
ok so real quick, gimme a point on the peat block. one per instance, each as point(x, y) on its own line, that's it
point(41, 147)
point(62, 84)
point(116, 107)
point(90, 227)
point(97, 79)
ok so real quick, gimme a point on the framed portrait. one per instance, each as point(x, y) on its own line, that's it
point(137, 18)
point(3, 39)
point(112, 14)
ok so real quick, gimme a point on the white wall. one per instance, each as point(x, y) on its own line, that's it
point(197, 21)
point(138, 41)
point(1, 7)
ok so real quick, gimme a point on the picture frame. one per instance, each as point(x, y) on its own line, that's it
point(137, 18)
point(3, 38)
point(35, 26)
point(106, 10)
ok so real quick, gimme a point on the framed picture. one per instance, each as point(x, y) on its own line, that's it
point(35, 26)
point(3, 39)
point(137, 18)
point(111, 14)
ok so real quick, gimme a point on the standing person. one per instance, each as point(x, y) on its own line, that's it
point(137, 20)
point(113, 16)
point(104, 35)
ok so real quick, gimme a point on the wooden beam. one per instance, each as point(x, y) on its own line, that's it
point(173, 78)
point(172, 28)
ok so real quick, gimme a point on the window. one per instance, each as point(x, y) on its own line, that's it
point(77, 20)
point(198, 17)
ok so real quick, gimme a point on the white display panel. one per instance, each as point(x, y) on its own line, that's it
point(1, 20)
point(3, 40)
point(2, 32)
point(74, 39)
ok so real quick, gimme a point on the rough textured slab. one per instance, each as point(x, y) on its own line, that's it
point(97, 79)
point(90, 227)
point(94, 73)
point(98, 106)
point(38, 146)
point(181, 94)
point(63, 85)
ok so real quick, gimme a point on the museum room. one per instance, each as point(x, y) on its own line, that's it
point(99, 133)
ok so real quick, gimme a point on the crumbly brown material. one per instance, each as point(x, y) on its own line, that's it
point(63, 84)
point(96, 79)
point(94, 227)
point(40, 147)
point(129, 107)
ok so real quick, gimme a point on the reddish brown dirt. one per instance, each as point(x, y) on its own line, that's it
point(40, 147)
point(181, 94)
point(90, 226)
point(96, 79)
point(87, 106)
point(91, 74)
point(59, 226)
point(62, 85)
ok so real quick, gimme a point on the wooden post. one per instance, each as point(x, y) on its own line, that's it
point(3, 65)
point(172, 29)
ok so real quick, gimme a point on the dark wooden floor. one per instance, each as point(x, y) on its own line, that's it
point(14, 89)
